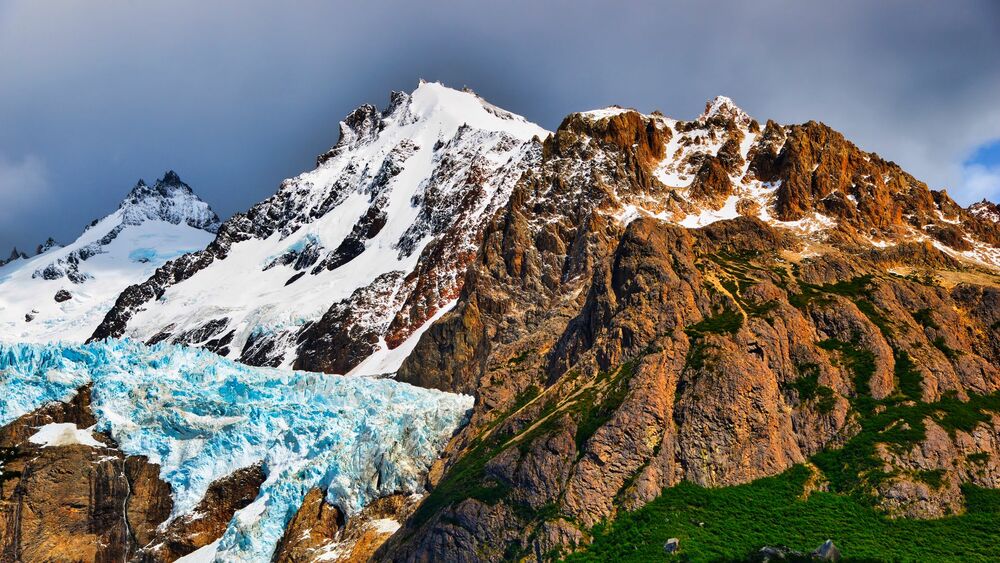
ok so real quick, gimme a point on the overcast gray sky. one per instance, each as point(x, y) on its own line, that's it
point(237, 95)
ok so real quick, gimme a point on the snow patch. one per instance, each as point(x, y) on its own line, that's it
point(384, 525)
point(64, 434)
point(604, 113)
point(204, 554)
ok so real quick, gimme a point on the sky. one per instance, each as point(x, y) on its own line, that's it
point(238, 95)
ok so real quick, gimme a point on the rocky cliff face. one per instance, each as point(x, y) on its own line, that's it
point(614, 350)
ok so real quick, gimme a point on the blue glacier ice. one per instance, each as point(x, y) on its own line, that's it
point(201, 417)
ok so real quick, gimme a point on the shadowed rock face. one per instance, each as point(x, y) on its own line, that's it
point(209, 519)
point(319, 531)
point(610, 362)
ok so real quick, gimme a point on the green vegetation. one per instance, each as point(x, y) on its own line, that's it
point(826, 399)
point(733, 523)
point(923, 317)
point(738, 521)
point(907, 377)
point(933, 477)
point(978, 457)
point(808, 381)
point(855, 469)
point(727, 322)
point(949, 353)
point(739, 270)
point(979, 500)
point(463, 480)
point(854, 289)
point(519, 359)
point(592, 408)
point(595, 413)
point(808, 388)
point(861, 362)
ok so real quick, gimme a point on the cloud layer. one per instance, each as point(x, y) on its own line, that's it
point(237, 95)
point(24, 189)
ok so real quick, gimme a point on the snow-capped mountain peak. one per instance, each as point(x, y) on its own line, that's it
point(374, 241)
point(725, 108)
point(169, 200)
point(986, 210)
point(63, 292)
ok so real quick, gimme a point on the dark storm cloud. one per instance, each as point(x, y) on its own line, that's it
point(237, 95)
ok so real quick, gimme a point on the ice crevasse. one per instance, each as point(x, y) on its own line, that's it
point(201, 417)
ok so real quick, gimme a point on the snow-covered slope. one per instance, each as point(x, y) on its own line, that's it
point(346, 263)
point(62, 294)
point(201, 417)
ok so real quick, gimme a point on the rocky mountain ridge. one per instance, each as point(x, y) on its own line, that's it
point(614, 350)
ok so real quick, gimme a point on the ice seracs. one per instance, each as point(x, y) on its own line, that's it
point(201, 417)
point(150, 226)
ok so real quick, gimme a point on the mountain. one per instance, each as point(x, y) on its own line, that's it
point(714, 302)
point(718, 335)
point(62, 293)
point(345, 265)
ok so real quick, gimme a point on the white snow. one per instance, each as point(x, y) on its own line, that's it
point(384, 525)
point(726, 106)
point(675, 172)
point(982, 210)
point(610, 111)
point(204, 554)
point(436, 121)
point(64, 434)
point(385, 360)
point(709, 216)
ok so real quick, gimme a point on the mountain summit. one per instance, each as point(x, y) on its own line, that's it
point(169, 200)
point(344, 266)
point(62, 292)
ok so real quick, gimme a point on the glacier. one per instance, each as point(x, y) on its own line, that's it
point(201, 417)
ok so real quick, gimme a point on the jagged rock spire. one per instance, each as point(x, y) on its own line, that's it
point(724, 107)
point(49, 244)
point(170, 200)
point(15, 254)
